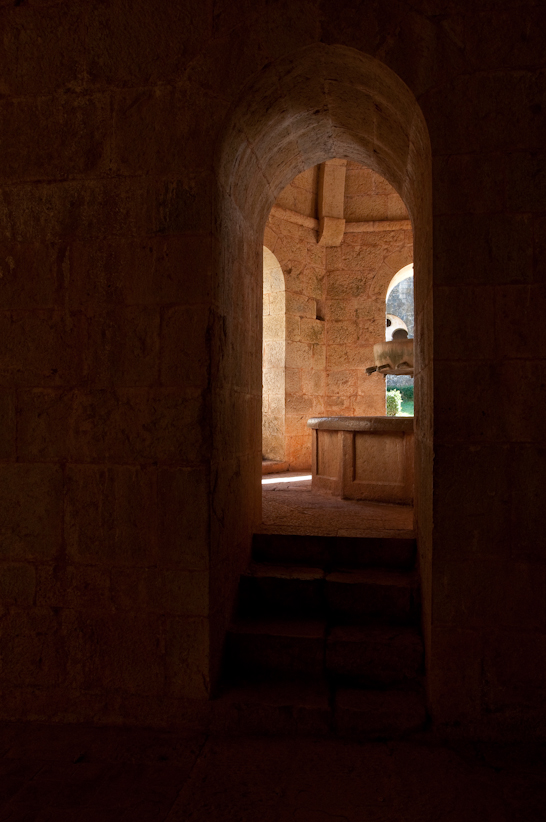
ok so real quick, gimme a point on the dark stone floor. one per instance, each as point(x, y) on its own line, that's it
point(83, 774)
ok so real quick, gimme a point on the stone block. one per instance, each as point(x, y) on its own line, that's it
point(374, 655)
point(74, 136)
point(521, 27)
point(342, 333)
point(454, 673)
point(274, 354)
point(466, 182)
point(390, 596)
point(490, 593)
point(298, 451)
point(54, 53)
point(273, 273)
point(299, 404)
point(293, 378)
point(180, 206)
point(147, 140)
point(172, 590)
point(319, 357)
point(296, 424)
point(73, 586)
point(362, 714)
point(299, 355)
point(7, 425)
point(273, 426)
point(483, 101)
point(33, 652)
point(313, 382)
point(345, 357)
point(78, 209)
point(371, 329)
point(353, 552)
point(286, 548)
point(467, 415)
point(475, 481)
point(274, 327)
point(185, 346)
point(281, 591)
point(17, 584)
point(341, 383)
point(138, 49)
point(514, 671)
point(517, 332)
point(110, 515)
point(187, 658)
point(340, 309)
point(491, 249)
point(300, 306)
point(274, 379)
point(129, 425)
point(312, 331)
point(30, 274)
point(464, 323)
point(123, 346)
point(124, 651)
point(183, 523)
point(280, 708)
point(527, 502)
point(276, 404)
point(519, 419)
point(183, 267)
point(41, 348)
point(284, 647)
point(292, 328)
point(37, 490)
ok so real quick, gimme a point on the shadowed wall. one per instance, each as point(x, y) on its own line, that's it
point(141, 150)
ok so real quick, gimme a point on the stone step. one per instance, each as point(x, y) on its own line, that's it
point(283, 707)
point(356, 595)
point(282, 646)
point(364, 714)
point(373, 595)
point(284, 590)
point(374, 656)
point(335, 552)
point(303, 707)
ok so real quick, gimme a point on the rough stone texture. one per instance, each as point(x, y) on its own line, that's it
point(143, 147)
point(374, 655)
point(94, 774)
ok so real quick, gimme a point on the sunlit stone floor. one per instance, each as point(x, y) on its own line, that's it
point(290, 507)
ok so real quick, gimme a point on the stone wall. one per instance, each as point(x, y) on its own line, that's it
point(142, 149)
point(303, 265)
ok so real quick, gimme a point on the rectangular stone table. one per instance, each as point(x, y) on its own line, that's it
point(365, 458)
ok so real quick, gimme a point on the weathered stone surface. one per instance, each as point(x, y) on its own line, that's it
point(375, 656)
point(282, 590)
point(378, 713)
point(143, 149)
point(281, 646)
point(36, 489)
point(388, 595)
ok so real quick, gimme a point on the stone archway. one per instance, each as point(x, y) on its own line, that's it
point(320, 103)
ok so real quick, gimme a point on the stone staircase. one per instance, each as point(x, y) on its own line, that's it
point(326, 638)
